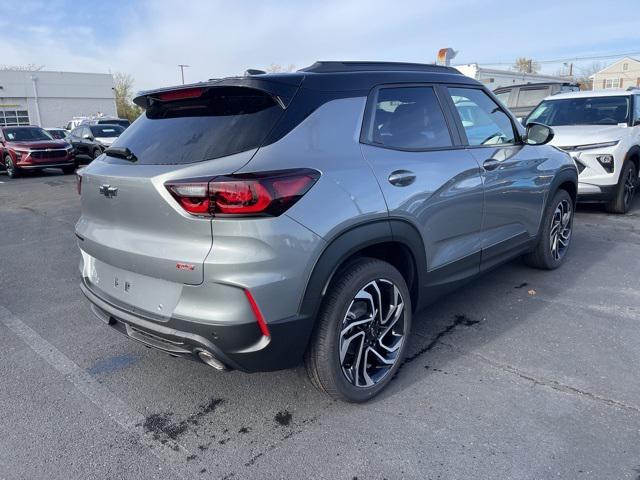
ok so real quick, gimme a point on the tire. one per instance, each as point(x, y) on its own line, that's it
point(345, 324)
point(625, 190)
point(555, 236)
point(95, 153)
point(10, 167)
point(71, 169)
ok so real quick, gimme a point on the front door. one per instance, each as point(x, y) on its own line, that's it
point(514, 174)
point(426, 176)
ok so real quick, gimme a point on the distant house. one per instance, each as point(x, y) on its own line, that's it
point(621, 74)
point(495, 78)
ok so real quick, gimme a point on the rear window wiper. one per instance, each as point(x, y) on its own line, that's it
point(120, 152)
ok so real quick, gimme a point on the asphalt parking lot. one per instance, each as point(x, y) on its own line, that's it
point(522, 374)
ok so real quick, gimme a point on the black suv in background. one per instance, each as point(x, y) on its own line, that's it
point(522, 99)
point(91, 140)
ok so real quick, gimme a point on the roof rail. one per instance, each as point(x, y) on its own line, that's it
point(253, 71)
point(630, 89)
point(335, 67)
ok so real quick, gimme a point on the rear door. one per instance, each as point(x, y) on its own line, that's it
point(515, 182)
point(140, 245)
point(426, 176)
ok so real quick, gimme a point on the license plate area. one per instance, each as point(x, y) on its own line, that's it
point(137, 292)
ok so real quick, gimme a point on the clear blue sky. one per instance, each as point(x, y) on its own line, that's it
point(149, 38)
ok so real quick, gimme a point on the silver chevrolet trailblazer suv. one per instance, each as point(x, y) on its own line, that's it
point(252, 222)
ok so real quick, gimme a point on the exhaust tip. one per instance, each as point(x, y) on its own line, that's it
point(209, 359)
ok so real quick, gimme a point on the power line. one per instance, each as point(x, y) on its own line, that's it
point(563, 60)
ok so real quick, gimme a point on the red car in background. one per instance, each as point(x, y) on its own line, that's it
point(32, 148)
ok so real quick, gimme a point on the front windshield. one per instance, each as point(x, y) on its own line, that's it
point(29, 134)
point(582, 111)
point(102, 131)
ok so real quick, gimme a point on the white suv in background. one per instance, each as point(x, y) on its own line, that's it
point(601, 131)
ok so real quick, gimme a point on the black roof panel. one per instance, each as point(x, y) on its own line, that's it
point(343, 67)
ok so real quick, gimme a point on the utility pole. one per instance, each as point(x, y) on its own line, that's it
point(182, 65)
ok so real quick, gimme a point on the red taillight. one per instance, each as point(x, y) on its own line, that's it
point(263, 194)
point(258, 314)
point(79, 183)
point(192, 196)
point(182, 94)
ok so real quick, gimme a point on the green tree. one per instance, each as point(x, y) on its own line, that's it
point(123, 89)
point(526, 65)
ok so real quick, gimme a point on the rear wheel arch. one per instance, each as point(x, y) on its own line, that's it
point(394, 241)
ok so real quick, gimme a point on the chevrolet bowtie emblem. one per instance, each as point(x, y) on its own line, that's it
point(108, 191)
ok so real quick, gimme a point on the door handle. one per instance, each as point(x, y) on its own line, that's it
point(490, 164)
point(402, 178)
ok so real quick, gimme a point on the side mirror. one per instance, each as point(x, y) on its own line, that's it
point(538, 134)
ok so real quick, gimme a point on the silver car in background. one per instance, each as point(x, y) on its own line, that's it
point(253, 222)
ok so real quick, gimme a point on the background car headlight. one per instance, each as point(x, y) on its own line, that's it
point(606, 161)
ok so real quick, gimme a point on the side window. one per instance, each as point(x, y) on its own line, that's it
point(483, 120)
point(409, 117)
point(503, 96)
point(530, 97)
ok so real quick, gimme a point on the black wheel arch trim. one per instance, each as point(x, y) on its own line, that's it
point(568, 174)
point(348, 243)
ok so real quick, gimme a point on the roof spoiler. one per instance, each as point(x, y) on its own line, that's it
point(282, 89)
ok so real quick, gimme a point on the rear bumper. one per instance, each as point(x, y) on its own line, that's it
point(239, 346)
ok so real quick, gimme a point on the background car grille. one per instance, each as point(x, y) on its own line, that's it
point(48, 154)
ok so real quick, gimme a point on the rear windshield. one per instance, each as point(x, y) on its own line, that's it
point(57, 134)
point(122, 123)
point(30, 134)
point(582, 111)
point(106, 130)
point(223, 121)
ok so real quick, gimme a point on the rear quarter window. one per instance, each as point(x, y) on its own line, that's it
point(222, 122)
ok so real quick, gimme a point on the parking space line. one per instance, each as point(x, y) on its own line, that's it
point(100, 396)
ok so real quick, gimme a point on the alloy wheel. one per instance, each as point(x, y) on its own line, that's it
point(8, 165)
point(560, 233)
point(629, 186)
point(372, 333)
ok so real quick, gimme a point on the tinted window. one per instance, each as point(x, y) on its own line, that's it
point(106, 130)
point(503, 96)
point(636, 108)
point(57, 134)
point(483, 120)
point(223, 121)
point(582, 111)
point(530, 97)
point(122, 123)
point(409, 117)
point(29, 134)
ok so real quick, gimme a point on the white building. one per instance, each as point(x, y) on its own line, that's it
point(494, 78)
point(621, 74)
point(51, 99)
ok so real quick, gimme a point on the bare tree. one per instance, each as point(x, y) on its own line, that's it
point(583, 79)
point(123, 90)
point(526, 65)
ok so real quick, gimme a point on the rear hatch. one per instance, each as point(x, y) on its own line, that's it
point(139, 245)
